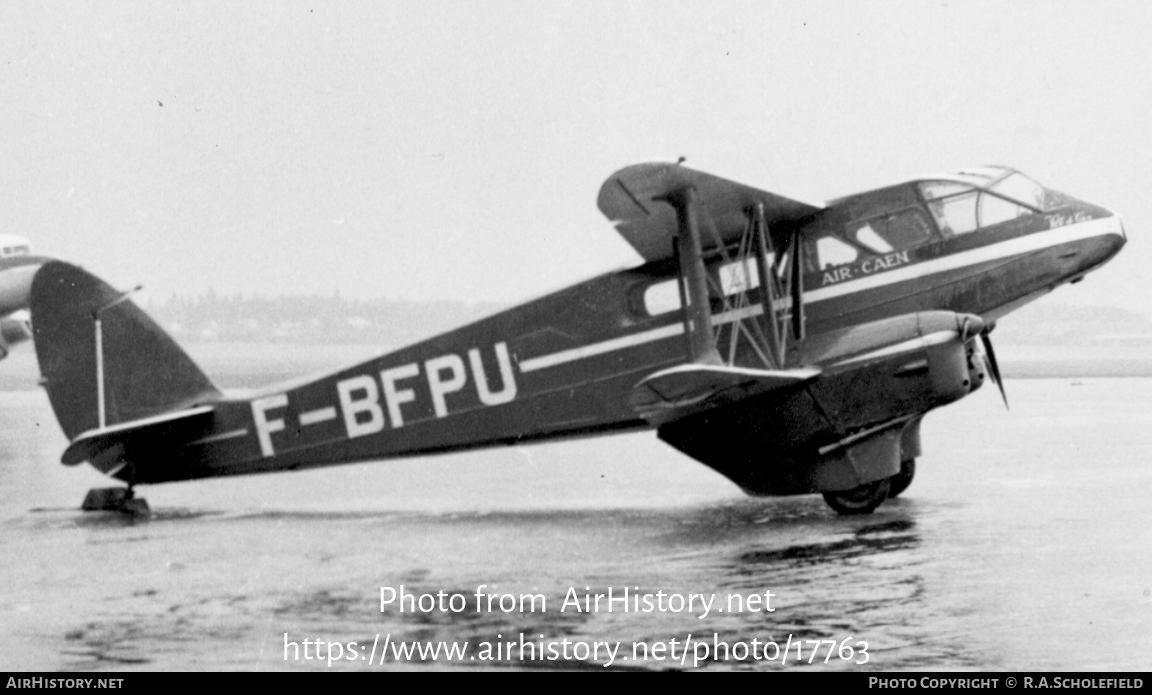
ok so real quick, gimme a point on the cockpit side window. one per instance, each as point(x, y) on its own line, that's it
point(955, 214)
point(953, 205)
point(960, 208)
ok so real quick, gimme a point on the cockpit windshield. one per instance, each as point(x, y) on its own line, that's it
point(982, 197)
point(1022, 189)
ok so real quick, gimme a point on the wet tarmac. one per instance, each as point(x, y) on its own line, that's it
point(1022, 544)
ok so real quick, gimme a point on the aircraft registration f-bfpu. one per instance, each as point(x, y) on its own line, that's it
point(792, 347)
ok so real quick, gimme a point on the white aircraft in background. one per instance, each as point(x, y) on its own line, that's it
point(17, 266)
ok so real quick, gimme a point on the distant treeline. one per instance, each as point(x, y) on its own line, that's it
point(334, 319)
point(210, 317)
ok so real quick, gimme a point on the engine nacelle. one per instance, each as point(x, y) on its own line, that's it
point(851, 425)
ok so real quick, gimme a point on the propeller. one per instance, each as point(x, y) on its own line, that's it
point(971, 326)
point(993, 367)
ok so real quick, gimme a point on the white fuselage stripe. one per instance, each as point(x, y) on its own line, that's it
point(319, 415)
point(1036, 241)
point(1104, 226)
point(531, 365)
point(669, 331)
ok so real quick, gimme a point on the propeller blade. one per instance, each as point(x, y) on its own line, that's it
point(993, 367)
point(973, 325)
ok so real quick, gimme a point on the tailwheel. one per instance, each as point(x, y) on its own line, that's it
point(900, 482)
point(859, 500)
point(115, 499)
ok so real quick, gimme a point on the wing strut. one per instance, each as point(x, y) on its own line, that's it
point(769, 285)
point(780, 276)
point(797, 287)
point(708, 381)
point(693, 278)
point(781, 324)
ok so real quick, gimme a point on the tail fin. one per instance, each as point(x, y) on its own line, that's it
point(145, 372)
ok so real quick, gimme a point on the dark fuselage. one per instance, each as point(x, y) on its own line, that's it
point(565, 364)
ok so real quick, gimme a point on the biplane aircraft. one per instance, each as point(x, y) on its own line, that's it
point(792, 347)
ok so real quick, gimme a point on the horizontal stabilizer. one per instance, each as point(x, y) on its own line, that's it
point(631, 199)
point(687, 388)
point(171, 427)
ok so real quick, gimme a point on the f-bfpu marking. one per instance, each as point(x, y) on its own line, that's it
point(359, 396)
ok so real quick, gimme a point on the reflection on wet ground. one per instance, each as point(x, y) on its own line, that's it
point(1005, 550)
point(716, 549)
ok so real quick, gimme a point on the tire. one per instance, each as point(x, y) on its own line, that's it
point(900, 482)
point(860, 500)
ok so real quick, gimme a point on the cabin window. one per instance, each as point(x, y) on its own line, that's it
point(662, 297)
point(736, 277)
point(832, 251)
point(868, 236)
point(900, 230)
point(907, 228)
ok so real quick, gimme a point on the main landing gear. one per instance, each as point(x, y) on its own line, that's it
point(859, 500)
point(865, 498)
point(115, 499)
point(900, 482)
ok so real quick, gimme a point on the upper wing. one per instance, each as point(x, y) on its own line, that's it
point(678, 391)
point(629, 198)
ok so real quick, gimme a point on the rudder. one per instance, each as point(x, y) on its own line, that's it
point(145, 372)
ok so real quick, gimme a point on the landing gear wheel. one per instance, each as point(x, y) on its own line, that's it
point(860, 500)
point(900, 482)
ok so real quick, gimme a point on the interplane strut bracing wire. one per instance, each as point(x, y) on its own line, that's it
point(779, 320)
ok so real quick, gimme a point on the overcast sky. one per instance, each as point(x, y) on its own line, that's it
point(454, 149)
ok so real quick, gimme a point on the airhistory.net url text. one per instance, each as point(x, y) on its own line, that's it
point(691, 651)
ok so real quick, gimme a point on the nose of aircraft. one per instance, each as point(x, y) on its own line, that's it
point(1107, 238)
point(1123, 236)
point(1113, 240)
